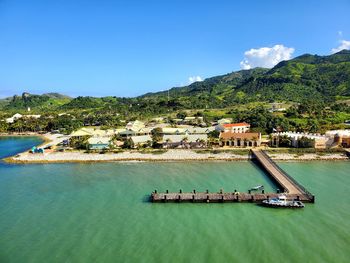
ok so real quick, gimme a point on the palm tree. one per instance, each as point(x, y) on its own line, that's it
point(167, 141)
point(184, 141)
point(201, 142)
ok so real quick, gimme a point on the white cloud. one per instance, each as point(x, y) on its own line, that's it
point(344, 44)
point(194, 79)
point(266, 57)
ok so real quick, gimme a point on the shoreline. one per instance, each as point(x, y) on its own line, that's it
point(171, 155)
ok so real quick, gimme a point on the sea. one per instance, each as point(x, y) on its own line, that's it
point(100, 212)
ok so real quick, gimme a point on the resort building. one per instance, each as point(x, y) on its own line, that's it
point(173, 131)
point(81, 133)
point(250, 139)
point(341, 137)
point(241, 127)
point(135, 125)
point(141, 140)
point(276, 107)
point(185, 141)
point(321, 141)
point(225, 121)
point(14, 118)
point(98, 143)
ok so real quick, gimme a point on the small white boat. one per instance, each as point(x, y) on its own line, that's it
point(258, 187)
point(281, 201)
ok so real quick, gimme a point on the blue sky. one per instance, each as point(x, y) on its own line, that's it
point(127, 48)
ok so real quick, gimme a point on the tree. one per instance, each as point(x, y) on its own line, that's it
point(128, 144)
point(214, 134)
point(181, 115)
point(305, 142)
point(157, 137)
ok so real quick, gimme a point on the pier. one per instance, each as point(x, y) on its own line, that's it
point(287, 185)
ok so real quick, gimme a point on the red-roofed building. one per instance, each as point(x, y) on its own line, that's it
point(241, 127)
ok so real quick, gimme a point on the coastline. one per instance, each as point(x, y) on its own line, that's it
point(178, 155)
point(171, 155)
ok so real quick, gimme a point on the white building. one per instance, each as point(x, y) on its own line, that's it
point(241, 127)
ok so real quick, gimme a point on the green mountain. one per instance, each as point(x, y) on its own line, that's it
point(324, 78)
point(48, 101)
point(307, 77)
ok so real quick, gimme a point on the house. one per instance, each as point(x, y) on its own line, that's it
point(321, 141)
point(32, 116)
point(158, 119)
point(173, 131)
point(340, 137)
point(199, 130)
point(144, 131)
point(81, 133)
point(225, 121)
point(127, 133)
point(177, 121)
point(98, 143)
point(240, 139)
point(89, 132)
point(185, 141)
point(14, 118)
point(135, 125)
point(241, 127)
point(276, 107)
point(141, 140)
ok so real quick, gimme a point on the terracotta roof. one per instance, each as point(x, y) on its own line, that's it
point(236, 124)
point(246, 135)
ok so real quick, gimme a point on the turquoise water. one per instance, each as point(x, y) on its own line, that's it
point(99, 213)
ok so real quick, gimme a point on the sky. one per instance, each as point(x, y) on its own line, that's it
point(128, 48)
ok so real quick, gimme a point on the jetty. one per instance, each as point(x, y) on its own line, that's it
point(285, 183)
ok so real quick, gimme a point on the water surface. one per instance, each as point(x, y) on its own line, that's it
point(99, 213)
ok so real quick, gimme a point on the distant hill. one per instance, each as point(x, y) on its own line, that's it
point(48, 101)
point(307, 77)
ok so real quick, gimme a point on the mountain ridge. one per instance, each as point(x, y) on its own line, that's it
point(306, 77)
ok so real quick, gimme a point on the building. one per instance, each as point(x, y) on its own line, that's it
point(99, 143)
point(141, 140)
point(173, 131)
point(277, 107)
point(340, 137)
point(135, 125)
point(321, 141)
point(225, 121)
point(14, 118)
point(185, 141)
point(240, 139)
point(241, 127)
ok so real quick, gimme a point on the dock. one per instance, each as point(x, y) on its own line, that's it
point(287, 185)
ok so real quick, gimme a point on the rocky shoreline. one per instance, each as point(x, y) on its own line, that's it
point(170, 155)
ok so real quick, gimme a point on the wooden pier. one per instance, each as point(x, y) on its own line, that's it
point(287, 185)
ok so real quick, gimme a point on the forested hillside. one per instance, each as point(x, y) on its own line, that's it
point(322, 79)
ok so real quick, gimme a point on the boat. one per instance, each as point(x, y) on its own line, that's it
point(281, 201)
point(258, 187)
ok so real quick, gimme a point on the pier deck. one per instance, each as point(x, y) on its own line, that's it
point(290, 187)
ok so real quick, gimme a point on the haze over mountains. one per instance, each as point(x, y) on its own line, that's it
point(322, 78)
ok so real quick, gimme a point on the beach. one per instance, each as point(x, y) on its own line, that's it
point(164, 155)
point(169, 155)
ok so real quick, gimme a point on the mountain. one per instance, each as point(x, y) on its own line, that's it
point(323, 78)
point(48, 101)
point(307, 77)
